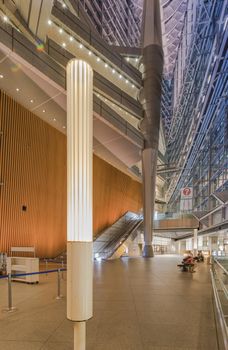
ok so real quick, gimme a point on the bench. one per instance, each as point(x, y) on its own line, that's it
point(186, 267)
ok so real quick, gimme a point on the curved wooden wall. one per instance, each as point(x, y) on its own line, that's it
point(33, 175)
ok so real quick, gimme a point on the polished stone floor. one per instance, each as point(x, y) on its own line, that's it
point(139, 304)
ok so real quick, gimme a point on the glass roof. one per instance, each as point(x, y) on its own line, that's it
point(172, 14)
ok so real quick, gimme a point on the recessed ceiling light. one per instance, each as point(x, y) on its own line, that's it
point(120, 76)
point(54, 119)
point(133, 86)
point(71, 38)
point(136, 60)
point(113, 71)
point(98, 59)
point(128, 59)
point(5, 18)
point(44, 110)
point(64, 5)
point(126, 81)
point(49, 22)
point(1, 76)
point(63, 44)
point(64, 127)
point(60, 30)
point(80, 46)
point(17, 89)
point(31, 100)
point(106, 66)
point(90, 53)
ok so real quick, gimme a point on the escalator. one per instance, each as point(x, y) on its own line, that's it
point(114, 236)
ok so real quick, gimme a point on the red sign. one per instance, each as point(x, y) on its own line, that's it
point(187, 191)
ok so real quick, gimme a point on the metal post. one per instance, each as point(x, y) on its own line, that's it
point(10, 307)
point(46, 266)
point(150, 98)
point(62, 269)
point(59, 296)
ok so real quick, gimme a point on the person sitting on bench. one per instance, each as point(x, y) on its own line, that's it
point(187, 263)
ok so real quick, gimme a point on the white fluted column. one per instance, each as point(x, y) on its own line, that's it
point(79, 197)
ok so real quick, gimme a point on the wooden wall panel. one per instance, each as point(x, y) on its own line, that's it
point(114, 193)
point(33, 172)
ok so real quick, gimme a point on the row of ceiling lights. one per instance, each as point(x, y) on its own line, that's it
point(90, 53)
point(32, 101)
point(5, 19)
point(98, 95)
point(71, 38)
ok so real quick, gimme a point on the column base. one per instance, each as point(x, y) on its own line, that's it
point(79, 281)
point(148, 251)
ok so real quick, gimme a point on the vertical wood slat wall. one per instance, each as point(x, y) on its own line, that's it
point(33, 174)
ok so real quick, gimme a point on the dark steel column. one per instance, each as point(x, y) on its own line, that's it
point(150, 98)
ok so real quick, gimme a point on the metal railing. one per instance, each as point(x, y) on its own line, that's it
point(219, 279)
point(11, 276)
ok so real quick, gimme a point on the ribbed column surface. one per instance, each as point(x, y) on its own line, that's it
point(79, 151)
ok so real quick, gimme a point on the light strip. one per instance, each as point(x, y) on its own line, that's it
point(91, 53)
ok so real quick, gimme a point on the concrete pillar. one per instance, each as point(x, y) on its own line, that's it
point(195, 241)
point(79, 197)
point(150, 98)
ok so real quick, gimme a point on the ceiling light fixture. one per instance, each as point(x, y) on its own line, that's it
point(126, 81)
point(1, 76)
point(90, 53)
point(54, 119)
point(60, 31)
point(128, 59)
point(64, 127)
point(17, 89)
point(64, 5)
point(120, 76)
point(98, 59)
point(80, 46)
point(43, 110)
point(71, 38)
point(106, 66)
point(5, 18)
point(31, 100)
point(113, 71)
point(63, 44)
point(49, 22)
